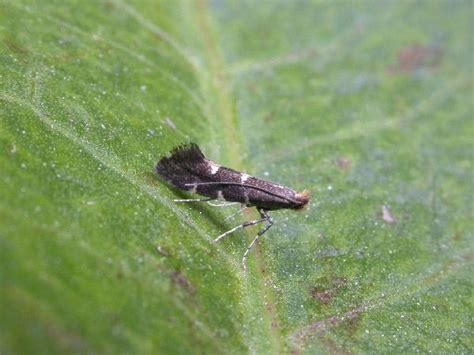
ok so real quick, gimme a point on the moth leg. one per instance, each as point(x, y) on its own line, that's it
point(265, 217)
point(236, 212)
point(225, 204)
point(194, 199)
point(240, 226)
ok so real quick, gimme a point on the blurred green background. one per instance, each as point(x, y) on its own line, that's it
point(367, 104)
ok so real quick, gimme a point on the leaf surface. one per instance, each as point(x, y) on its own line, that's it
point(367, 105)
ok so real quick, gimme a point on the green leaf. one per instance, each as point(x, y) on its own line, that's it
point(366, 104)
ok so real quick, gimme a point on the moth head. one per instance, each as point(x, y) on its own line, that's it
point(303, 199)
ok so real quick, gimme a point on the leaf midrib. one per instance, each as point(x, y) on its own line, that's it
point(219, 93)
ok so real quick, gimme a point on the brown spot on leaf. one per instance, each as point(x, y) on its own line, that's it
point(456, 236)
point(417, 56)
point(252, 87)
point(353, 324)
point(343, 163)
point(120, 274)
point(178, 279)
point(325, 295)
point(268, 118)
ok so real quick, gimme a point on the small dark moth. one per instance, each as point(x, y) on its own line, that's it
point(188, 169)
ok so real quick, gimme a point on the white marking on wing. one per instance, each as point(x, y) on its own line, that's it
point(244, 178)
point(220, 196)
point(214, 167)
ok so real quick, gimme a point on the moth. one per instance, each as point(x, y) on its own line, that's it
point(186, 168)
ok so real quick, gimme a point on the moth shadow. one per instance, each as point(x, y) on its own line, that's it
point(201, 207)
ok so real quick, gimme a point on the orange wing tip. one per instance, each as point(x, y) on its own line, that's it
point(303, 198)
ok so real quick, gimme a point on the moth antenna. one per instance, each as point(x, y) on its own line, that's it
point(248, 186)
